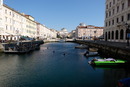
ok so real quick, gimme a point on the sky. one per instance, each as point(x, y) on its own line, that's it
point(58, 14)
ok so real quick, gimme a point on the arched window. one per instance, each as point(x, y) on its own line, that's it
point(121, 34)
point(116, 34)
point(112, 34)
point(109, 35)
point(106, 36)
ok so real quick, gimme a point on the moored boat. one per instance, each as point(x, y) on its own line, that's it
point(108, 61)
point(82, 46)
point(93, 49)
point(89, 54)
point(13, 48)
point(124, 82)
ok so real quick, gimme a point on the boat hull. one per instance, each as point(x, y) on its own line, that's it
point(82, 47)
point(103, 62)
point(90, 54)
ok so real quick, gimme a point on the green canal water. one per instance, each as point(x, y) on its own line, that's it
point(56, 65)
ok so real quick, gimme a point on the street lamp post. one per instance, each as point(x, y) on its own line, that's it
point(127, 33)
point(95, 35)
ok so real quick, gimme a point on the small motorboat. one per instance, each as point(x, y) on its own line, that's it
point(93, 49)
point(124, 82)
point(108, 61)
point(82, 46)
point(89, 54)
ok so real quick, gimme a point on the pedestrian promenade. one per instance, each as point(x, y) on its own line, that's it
point(122, 45)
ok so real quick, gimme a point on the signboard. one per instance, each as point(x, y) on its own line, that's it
point(128, 35)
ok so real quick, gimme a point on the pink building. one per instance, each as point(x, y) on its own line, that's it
point(88, 31)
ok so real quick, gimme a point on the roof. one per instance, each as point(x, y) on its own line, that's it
point(90, 26)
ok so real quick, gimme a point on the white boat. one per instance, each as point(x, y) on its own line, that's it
point(93, 49)
point(82, 46)
point(88, 54)
point(107, 62)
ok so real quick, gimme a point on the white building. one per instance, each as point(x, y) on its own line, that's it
point(72, 34)
point(63, 33)
point(1, 17)
point(14, 24)
point(117, 16)
point(88, 31)
point(46, 33)
point(31, 27)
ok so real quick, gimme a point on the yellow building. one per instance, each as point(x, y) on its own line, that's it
point(31, 27)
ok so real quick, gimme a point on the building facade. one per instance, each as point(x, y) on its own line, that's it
point(14, 24)
point(117, 20)
point(63, 33)
point(84, 31)
point(31, 27)
point(71, 35)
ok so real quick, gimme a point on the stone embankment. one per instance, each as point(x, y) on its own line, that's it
point(109, 49)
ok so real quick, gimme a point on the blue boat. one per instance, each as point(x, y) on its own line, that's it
point(124, 82)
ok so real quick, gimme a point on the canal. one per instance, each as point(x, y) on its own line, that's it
point(56, 65)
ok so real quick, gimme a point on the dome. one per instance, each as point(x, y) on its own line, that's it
point(63, 29)
point(82, 24)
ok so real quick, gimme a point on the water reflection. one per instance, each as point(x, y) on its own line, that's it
point(49, 67)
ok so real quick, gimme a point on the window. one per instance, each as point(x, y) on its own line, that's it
point(122, 6)
point(106, 6)
point(121, 34)
point(112, 22)
point(13, 15)
point(109, 35)
point(6, 19)
point(117, 9)
point(128, 3)
point(110, 4)
point(109, 13)
point(10, 27)
point(113, 11)
point(106, 24)
point(117, 20)
point(128, 16)
point(109, 23)
point(106, 36)
point(5, 11)
point(113, 1)
point(106, 15)
point(122, 18)
point(10, 13)
point(112, 34)
point(116, 34)
point(10, 20)
point(6, 27)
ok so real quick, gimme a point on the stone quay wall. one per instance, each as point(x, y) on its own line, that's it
point(109, 49)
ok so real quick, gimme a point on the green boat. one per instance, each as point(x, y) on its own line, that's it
point(108, 61)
